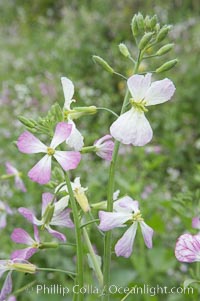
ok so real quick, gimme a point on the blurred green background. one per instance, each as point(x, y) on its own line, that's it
point(43, 40)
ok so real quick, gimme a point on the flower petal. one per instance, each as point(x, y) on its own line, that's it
point(20, 236)
point(75, 140)
point(62, 219)
point(7, 287)
point(147, 233)
point(126, 204)
point(41, 172)
point(159, 92)
point(29, 215)
point(124, 246)
point(61, 205)
point(56, 234)
point(188, 248)
point(196, 222)
point(110, 220)
point(68, 89)
point(11, 170)
point(62, 132)
point(105, 147)
point(24, 253)
point(132, 127)
point(20, 184)
point(138, 85)
point(27, 143)
point(47, 198)
point(68, 159)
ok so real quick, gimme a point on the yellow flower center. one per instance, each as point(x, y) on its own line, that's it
point(140, 106)
point(50, 151)
point(137, 217)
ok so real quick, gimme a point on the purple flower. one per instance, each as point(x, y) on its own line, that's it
point(104, 147)
point(20, 236)
point(53, 214)
point(187, 248)
point(132, 127)
point(196, 222)
point(41, 172)
point(126, 210)
point(4, 211)
point(13, 265)
point(75, 138)
point(11, 170)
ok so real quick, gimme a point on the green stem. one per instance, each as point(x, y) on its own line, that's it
point(56, 270)
point(96, 265)
point(108, 110)
point(79, 250)
point(90, 222)
point(111, 184)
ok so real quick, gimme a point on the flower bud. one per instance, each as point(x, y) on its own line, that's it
point(103, 63)
point(167, 66)
point(140, 22)
point(163, 33)
point(145, 40)
point(26, 122)
point(80, 111)
point(24, 267)
point(82, 199)
point(147, 22)
point(124, 50)
point(153, 21)
point(134, 26)
point(165, 49)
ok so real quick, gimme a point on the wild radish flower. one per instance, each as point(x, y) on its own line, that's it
point(75, 139)
point(4, 211)
point(20, 236)
point(41, 172)
point(11, 170)
point(53, 214)
point(79, 193)
point(126, 211)
point(10, 266)
point(104, 147)
point(132, 127)
point(188, 248)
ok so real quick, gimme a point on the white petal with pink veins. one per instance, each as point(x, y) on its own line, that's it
point(75, 140)
point(147, 233)
point(188, 248)
point(124, 246)
point(110, 220)
point(132, 127)
point(20, 236)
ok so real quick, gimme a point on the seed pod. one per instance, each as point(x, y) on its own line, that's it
point(145, 40)
point(167, 66)
point(147, 22)
point(165, 49)
point(163, 33)
point(134, 27)
point(103, 63)
point(124, 50)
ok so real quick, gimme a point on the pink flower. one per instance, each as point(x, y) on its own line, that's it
point(75, 138)
point(125, 209)
point(20, 236)
point(187, 248)
point(132, 127)
point(104, 147)
point(196, 222)
point(4, 211)
point(53, 214)
point(41, 172)
point(11, 170)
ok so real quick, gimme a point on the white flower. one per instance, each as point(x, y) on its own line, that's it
point(75, 139)
point(132, 127)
